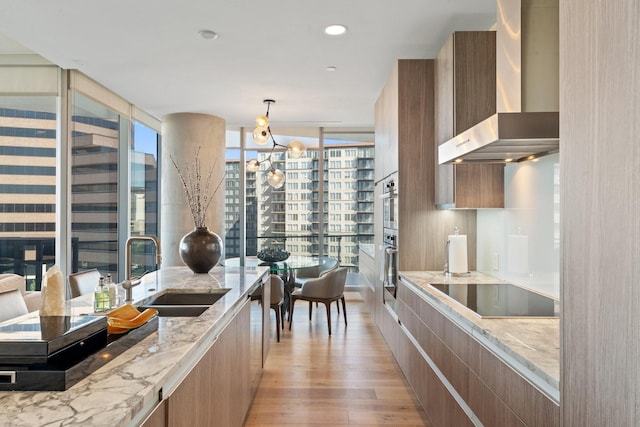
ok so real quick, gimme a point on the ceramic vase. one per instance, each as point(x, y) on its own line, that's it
point(201, 249)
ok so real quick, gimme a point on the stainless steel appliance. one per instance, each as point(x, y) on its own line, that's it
point(390, 279)
point(390, 240)
point(390, 204)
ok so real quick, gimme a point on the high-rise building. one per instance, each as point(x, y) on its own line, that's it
point(288, 217)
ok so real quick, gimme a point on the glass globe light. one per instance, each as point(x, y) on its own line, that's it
point(260, 135)
point(296, 149)
point(262, 121)
point(253, 165)
point(275, 178)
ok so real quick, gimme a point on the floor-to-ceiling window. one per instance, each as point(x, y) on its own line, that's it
point(27, 185)
point(94, 184)
point(348, 171)
point(143, 202)
point(70, 215)
point(325, 206)
point(144, 180)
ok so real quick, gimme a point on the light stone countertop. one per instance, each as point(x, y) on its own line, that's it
point(531, 346)
point(129, 384)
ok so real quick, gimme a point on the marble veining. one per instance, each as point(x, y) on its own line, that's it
point(116, 392)
point(529, 345)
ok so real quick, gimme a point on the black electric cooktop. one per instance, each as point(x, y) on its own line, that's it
point(500, 300)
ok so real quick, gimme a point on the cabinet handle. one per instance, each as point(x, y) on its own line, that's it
point(7, 377)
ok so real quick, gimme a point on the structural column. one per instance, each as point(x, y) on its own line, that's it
point(182, 135)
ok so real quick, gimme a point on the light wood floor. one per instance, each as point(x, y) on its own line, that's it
point(348, 379)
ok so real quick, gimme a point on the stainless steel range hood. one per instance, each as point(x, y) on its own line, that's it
point(526, 124)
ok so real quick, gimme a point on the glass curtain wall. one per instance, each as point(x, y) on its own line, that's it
point(41, 122)
point(348, 173)
point(94, 184)
point(270, 211)
point(233, 196)
point(27, 186)
point(143, 202)
point(325, 206)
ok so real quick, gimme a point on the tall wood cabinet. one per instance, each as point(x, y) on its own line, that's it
point(405, 114)
point(386, 128)
point(465, 94)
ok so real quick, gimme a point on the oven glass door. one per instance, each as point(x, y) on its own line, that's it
point(390, 279)
point(390, 215)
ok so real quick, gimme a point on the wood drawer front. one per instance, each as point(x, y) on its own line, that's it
point(531, 405)
point(489, 381)
point(389, 328)
point(485, 404)
point(456, 371)
point(441, 408)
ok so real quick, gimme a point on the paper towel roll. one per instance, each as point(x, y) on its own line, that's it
point(458, 254)
point(53, 293)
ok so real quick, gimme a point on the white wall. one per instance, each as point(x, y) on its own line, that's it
point(521, 242)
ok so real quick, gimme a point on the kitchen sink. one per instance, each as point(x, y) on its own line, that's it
point(177, 304)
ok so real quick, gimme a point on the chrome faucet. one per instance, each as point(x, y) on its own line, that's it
point(130, 282)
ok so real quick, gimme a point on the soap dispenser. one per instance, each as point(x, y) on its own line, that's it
point(101, 297)
point(113, 292)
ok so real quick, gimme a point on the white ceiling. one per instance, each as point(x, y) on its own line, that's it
point(150, 53)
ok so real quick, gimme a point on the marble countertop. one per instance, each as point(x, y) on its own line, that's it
point(120, 391)
point(531, 346)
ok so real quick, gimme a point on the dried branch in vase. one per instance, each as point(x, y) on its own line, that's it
point(199, 196)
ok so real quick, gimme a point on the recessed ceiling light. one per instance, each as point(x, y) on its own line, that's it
point(208, 34)
point(331, 68)
point(335, 30)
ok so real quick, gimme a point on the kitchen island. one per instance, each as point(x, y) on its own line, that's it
point(127, 388)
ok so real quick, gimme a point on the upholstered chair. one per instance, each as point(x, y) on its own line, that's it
point(12, 305)
point(325, 289)
point(84, 282)
point(276, 303)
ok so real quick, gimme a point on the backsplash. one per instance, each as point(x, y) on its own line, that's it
point(521, 243)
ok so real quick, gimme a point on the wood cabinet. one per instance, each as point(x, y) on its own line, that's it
point(465, 94)
point(386, 128)
point(217, 391)
point(456, 378)
point(158, 418)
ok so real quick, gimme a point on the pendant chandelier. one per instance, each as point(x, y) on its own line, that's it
point(261, 135)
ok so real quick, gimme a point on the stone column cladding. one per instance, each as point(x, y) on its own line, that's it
point(182, 134)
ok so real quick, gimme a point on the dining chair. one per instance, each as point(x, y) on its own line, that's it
point(325, 289)
point(328, 265)
point(304, 274)
point(12, 305)
point(84, 282)
point(277, 301)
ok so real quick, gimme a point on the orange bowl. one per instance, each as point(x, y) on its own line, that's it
point(127, 317)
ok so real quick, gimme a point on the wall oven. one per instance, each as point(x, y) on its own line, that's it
point(390, 268)
point(390, 204)
point(390, 242)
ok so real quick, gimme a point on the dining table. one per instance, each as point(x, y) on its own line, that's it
point(286, 269)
